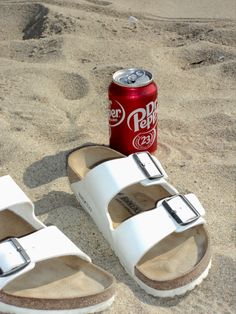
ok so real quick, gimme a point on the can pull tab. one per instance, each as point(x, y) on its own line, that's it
point(135, 77)
point(132, 78)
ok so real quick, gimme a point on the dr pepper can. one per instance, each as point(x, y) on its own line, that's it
point(133, 111)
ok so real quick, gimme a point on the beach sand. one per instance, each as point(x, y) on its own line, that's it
point(56, 61)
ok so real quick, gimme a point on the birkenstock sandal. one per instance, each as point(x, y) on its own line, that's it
point(41, 270)
point(158, 234)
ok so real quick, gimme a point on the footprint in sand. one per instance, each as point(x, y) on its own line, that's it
point(30, 35)
point(24, 15)
point(72, 85)
point(46, 83)
point(46, 23)
point(44, 97)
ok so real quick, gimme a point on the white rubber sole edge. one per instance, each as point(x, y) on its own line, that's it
point(11, 309)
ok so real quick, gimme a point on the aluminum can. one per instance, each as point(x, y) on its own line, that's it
point(133, 111)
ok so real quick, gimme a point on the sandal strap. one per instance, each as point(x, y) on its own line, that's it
point(19, 255)
point(109, 178)
point(137, 235)
point(14, 199)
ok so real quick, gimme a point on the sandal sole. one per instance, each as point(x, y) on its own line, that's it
point(11, 309)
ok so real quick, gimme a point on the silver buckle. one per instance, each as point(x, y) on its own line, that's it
point(22, 252)
point(185, 214)
point(148, 165)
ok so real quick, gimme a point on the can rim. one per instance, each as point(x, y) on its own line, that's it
point(114, 78)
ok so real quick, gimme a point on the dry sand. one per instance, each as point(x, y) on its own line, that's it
point(56, 61)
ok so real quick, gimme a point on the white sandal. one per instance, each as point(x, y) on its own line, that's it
point(41, 270)
point(158, 235)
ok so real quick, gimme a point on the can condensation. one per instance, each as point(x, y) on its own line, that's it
point(133, 111)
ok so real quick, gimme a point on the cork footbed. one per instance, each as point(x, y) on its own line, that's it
point(60, 283)
point(175, 261)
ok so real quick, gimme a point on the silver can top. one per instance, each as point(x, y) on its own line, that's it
point(133, 77)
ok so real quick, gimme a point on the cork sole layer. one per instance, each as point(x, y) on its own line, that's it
point(7, 308)
point(179, 259)
point(64, 283)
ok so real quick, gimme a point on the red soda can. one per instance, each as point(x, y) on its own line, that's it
point(133, 111)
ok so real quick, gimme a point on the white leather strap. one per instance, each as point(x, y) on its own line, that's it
point(137, 235)
point(109, 178)
point(14, 199)
point(41, 245)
